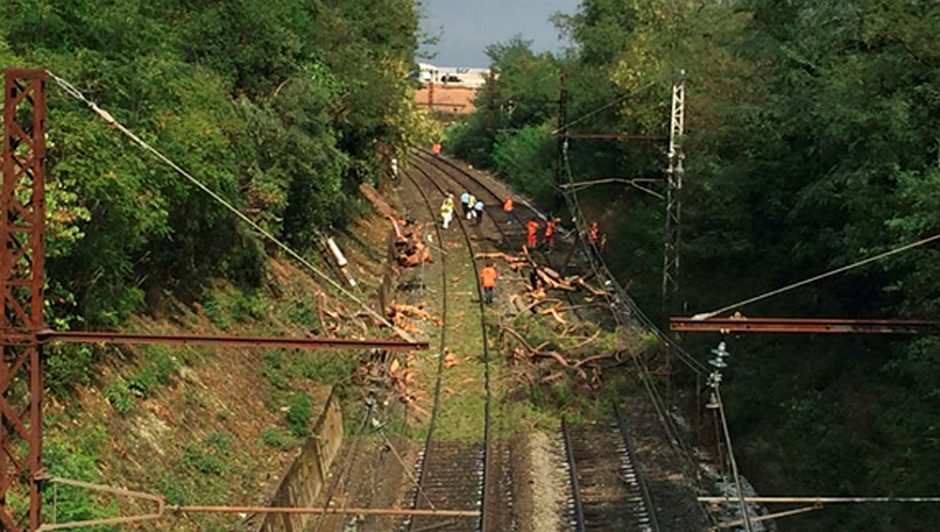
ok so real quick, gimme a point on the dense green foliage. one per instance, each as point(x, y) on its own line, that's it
point(281, 106)
point(811, 144)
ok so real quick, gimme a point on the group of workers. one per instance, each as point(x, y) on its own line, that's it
point(470, 207)
point(548, 234)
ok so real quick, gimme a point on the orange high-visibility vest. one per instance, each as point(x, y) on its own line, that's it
point(488, 277)
point(549, 228)
point(532, 227)
point(507, 205)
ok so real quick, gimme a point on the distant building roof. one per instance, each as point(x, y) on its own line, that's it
point(469, 77)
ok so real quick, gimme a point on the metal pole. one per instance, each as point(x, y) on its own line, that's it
point(673, 229)
point(674, 175)
point(562, 127)
point(734, 464)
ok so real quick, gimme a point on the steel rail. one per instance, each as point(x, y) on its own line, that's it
point(433, 161)
point(432, 424)
point(644, 490)
point(565, 233)
point(108, 337)
point(626, 312)
point(428, 157)
point(573, 474)
point(486, 359)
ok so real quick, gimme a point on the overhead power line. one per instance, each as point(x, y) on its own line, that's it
point(604, 107)
point(111, 121)
point(804, 282)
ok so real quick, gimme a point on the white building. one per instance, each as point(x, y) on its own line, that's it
point(472, 78)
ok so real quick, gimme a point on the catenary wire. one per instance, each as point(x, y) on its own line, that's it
point(815, 278)
point(662, 410)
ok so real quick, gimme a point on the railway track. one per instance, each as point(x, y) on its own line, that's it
point(607, 489)
point(512, 235)
point(451, 474)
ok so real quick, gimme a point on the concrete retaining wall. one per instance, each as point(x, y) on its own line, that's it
point(308, 475)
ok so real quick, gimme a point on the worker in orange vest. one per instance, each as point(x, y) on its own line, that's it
point(507, 208)
point(436, 149)
point(550, 233)
point(592, 238)
point(488, 278)
point(531, 230)
point(593, 233)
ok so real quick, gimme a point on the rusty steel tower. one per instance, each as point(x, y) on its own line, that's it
point(21, 289)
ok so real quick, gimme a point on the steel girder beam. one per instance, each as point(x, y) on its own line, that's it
point(804, 325)
point(108, 337)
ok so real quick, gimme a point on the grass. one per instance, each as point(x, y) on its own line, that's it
point(75, 454)
point(462, 395)
point(278, 438)
point(299, 412)
point(228, 305)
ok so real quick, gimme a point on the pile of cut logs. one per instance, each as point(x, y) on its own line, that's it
point(410, 249)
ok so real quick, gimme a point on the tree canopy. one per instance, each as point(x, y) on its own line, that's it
point(283, 107)
point(810, 144)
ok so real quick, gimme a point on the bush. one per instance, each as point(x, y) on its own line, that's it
point(67, 366)
point(120, 396)
point(278, 438)
point(158, 369)
point(322, 369)
point(212, 457)
point(76, 456)
point(298, 414)
point(272, 369)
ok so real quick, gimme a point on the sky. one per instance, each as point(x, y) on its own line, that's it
point(470, 25)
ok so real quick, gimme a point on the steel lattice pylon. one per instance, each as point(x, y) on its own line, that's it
point(21, 289)
point(674, 174)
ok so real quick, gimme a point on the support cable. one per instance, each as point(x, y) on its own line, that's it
point(112, 122)
point(598, 265)
point(804, 282)
point(604, 107)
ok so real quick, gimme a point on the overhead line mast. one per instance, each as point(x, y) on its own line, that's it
point(674, 175)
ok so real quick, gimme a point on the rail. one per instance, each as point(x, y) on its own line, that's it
point(573, 474)
point(649, 523)
point(432, 424)
point(486, 357)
